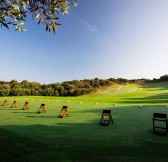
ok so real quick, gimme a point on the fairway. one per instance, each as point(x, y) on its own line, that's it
point(26, 135)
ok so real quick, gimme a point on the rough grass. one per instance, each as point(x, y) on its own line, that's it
point(28, 136)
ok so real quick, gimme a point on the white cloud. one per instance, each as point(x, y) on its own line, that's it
point(90, 27)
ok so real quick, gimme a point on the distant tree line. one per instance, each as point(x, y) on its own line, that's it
point(161, 79)
point(67, 88)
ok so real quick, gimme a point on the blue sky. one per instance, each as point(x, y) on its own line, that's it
point(99, 38)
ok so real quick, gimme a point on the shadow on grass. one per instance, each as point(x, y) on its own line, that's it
point(157, 85)
point(42, 116)
point(5, 109)
point(24, 112)
point(142, 101)
point(154, 99)
point(9, 108)
point(79, 142)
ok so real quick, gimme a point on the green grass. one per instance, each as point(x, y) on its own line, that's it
point(28, 136)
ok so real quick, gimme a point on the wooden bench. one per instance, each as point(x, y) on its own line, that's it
point(106, 114)
point(26, 106)
point(159, 118)
point(64, 112)
point(42, 108)
point(14, 104)
point(5, 103)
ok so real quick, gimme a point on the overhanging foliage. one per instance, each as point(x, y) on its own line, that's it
point(14, 12)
